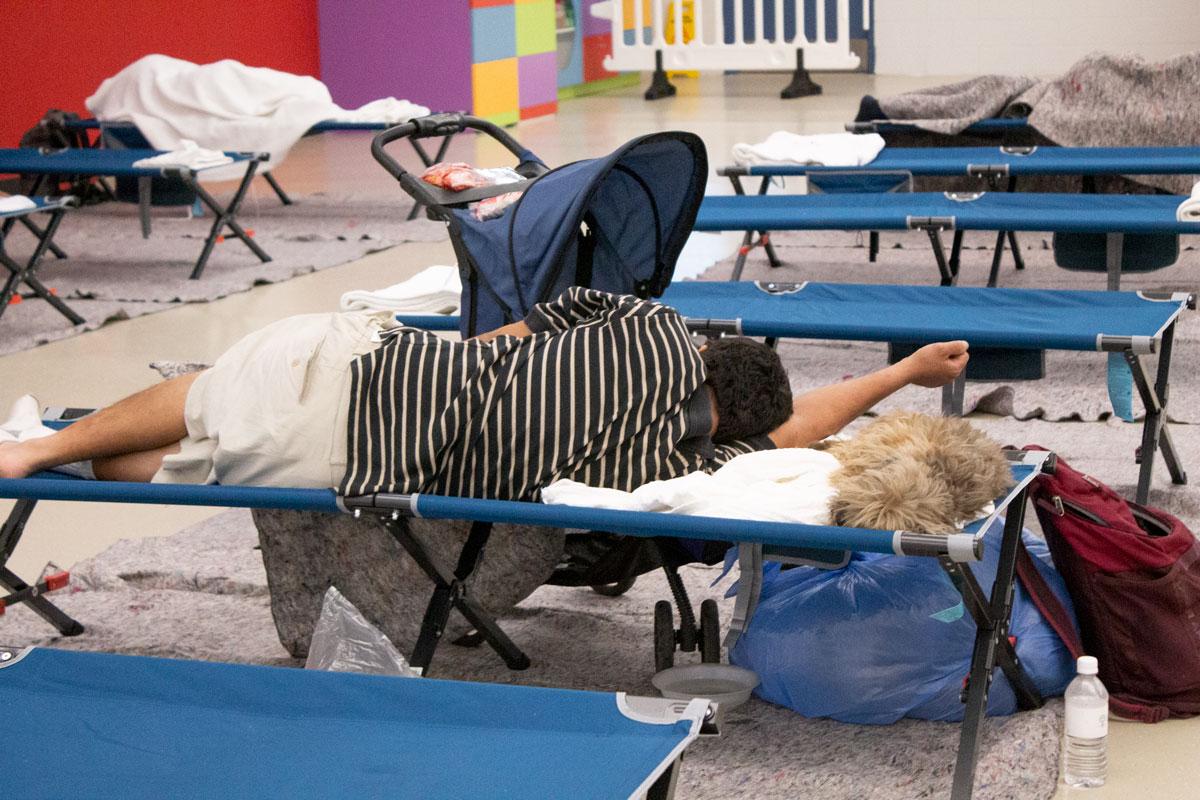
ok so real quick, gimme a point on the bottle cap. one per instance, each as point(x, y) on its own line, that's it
point(1087, 665)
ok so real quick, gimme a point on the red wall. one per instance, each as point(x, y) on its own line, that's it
point(65, 48)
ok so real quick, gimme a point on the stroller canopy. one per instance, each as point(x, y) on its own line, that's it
point(616, 223)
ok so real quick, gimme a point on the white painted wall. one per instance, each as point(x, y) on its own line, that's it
point(1025, 37)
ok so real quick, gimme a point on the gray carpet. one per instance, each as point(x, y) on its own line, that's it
point(202, 594)
point(1077, 389)
point(112, 273)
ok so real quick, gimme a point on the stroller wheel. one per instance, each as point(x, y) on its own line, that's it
point(664, 636)
point(614, 589)
point(710, 633)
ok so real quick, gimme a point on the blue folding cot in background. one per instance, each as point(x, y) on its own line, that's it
point(991, 126)
point(110, 726)
point(1134, 324)
point(1112, 215)
point(126, 134)
point(999, 167)
point(954, 551)
point(26, 273)
point(120, 163)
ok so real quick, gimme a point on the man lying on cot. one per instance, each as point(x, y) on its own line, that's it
point(608, 390)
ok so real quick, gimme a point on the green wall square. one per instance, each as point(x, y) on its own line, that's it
point(535, 28)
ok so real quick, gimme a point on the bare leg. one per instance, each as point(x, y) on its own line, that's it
point(139, 466)
point(145, 422)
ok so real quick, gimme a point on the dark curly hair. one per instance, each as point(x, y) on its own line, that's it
point(751, 387)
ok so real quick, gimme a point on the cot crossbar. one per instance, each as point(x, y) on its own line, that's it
point(45, 486)
point(984, 211)
point(1007, 162)
point(91, 161)
point(989, 126)
point(238, 731)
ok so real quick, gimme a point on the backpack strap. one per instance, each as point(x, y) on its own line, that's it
point(1059, 619)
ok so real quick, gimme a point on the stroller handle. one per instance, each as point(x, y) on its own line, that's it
point(445, 125)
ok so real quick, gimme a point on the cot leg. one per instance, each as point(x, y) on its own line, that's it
point(40, 234)
point(802, 84)
point(279, 192)
point(997, 257)
point(764, 237)
point(1155, 435)
point(956, 252)
point(949, 277)
point(225, 218)
point(873, 246)
point(26, 274)
point(664, 787)
point(1018, 259)
point(992, 630)
point(143, 189)
point(10, 534)
point(1114, 251)
point(660, 86)
point(450, 592)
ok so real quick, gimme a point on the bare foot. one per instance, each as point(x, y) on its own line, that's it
point(14, 462)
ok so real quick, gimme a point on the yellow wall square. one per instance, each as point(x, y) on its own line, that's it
point(495, 87)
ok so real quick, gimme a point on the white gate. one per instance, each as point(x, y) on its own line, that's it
point(729, 34)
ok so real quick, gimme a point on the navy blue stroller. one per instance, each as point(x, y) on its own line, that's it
point(616, 223)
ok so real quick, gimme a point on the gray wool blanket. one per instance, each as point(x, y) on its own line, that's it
point(1101, 101)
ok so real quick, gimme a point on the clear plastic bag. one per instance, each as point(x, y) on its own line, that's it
point(344, 641)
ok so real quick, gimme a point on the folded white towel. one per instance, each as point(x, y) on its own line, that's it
point(785, 485)
point(385, 109)
point(191, 155)
point(434, 290)
point(16, 202)
point(1189, 209)
point(822, 149)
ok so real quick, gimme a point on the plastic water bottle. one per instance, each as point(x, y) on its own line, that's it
point(1085, 763)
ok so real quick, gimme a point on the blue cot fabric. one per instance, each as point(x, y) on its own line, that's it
point(100, 726)
point(1013, 318)
point(991, 211)
point(91, 161)
point(954, 161)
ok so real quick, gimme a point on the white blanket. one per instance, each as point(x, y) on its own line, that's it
point(822, 149)
point(434, 290)
point(16, 202)
point(785, 485)
point(224, 106)
point(1189, 209)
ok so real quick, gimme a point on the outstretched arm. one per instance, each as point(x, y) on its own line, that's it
point(825, 411)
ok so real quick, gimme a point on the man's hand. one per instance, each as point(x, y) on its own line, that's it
point(937, 364)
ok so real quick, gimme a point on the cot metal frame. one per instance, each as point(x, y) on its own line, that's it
point(991, 613)
point(996, 176)
point(27, 273)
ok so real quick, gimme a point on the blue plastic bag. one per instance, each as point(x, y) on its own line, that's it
point(887, 637)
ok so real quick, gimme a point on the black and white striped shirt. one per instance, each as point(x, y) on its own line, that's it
point(608, 391)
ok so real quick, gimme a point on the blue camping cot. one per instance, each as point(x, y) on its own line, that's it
point(128, 135)
point(113, 726)
point(991, 126)
point(999, 167)
point(1135, 324)
point(120, 163)
point(776, 540)
point(27, 273)
point(1110, 215)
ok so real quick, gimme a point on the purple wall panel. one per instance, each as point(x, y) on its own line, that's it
point(418, 50)
point(592, 25)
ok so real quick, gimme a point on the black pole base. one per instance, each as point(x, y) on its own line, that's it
point(802, 84)
point(659, 87)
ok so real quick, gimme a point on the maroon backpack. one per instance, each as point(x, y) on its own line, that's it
point(1134, 575)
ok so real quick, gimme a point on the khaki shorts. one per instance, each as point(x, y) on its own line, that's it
point(272, 410)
